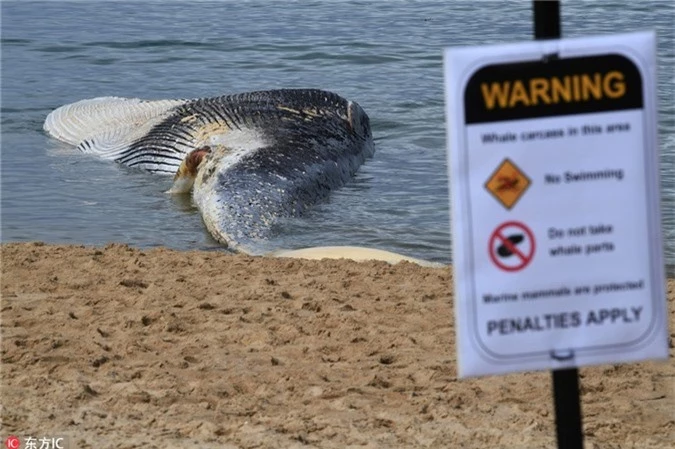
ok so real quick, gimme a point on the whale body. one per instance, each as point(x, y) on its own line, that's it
point(250, 159)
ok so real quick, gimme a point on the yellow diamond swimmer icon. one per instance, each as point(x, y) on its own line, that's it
point(507, 184)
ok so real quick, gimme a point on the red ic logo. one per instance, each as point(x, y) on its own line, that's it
point(12, 442)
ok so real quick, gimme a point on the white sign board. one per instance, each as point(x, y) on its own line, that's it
point(554, 182)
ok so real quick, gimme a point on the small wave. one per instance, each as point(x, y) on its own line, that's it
point(341, 58)
point(163, 43)
point(10, 41)
point(59, 48)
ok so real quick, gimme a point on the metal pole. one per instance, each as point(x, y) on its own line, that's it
point(568, 425)
point(546, 19)
point(565, 381)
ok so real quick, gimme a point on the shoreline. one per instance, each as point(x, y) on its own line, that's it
point(669, 269)
point(118, 347)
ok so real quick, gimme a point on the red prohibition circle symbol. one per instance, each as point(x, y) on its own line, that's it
point(499, 239)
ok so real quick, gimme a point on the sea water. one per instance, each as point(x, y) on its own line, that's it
point(386, 55)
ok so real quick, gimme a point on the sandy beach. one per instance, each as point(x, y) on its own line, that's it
point(116, 347)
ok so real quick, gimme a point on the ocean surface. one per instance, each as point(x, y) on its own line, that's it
point(386, 55)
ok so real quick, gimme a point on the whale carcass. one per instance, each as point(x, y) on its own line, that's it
point(249, 159)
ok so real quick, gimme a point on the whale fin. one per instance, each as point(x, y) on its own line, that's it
point(355, 253)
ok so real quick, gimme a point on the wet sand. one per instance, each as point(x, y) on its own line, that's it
point(118, 348)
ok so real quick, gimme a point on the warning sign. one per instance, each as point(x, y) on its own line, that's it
point(507, 183)
point(566, 269)
point(512, 246)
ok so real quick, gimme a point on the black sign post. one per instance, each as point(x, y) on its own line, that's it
point(565, 381)
point(546, 19)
